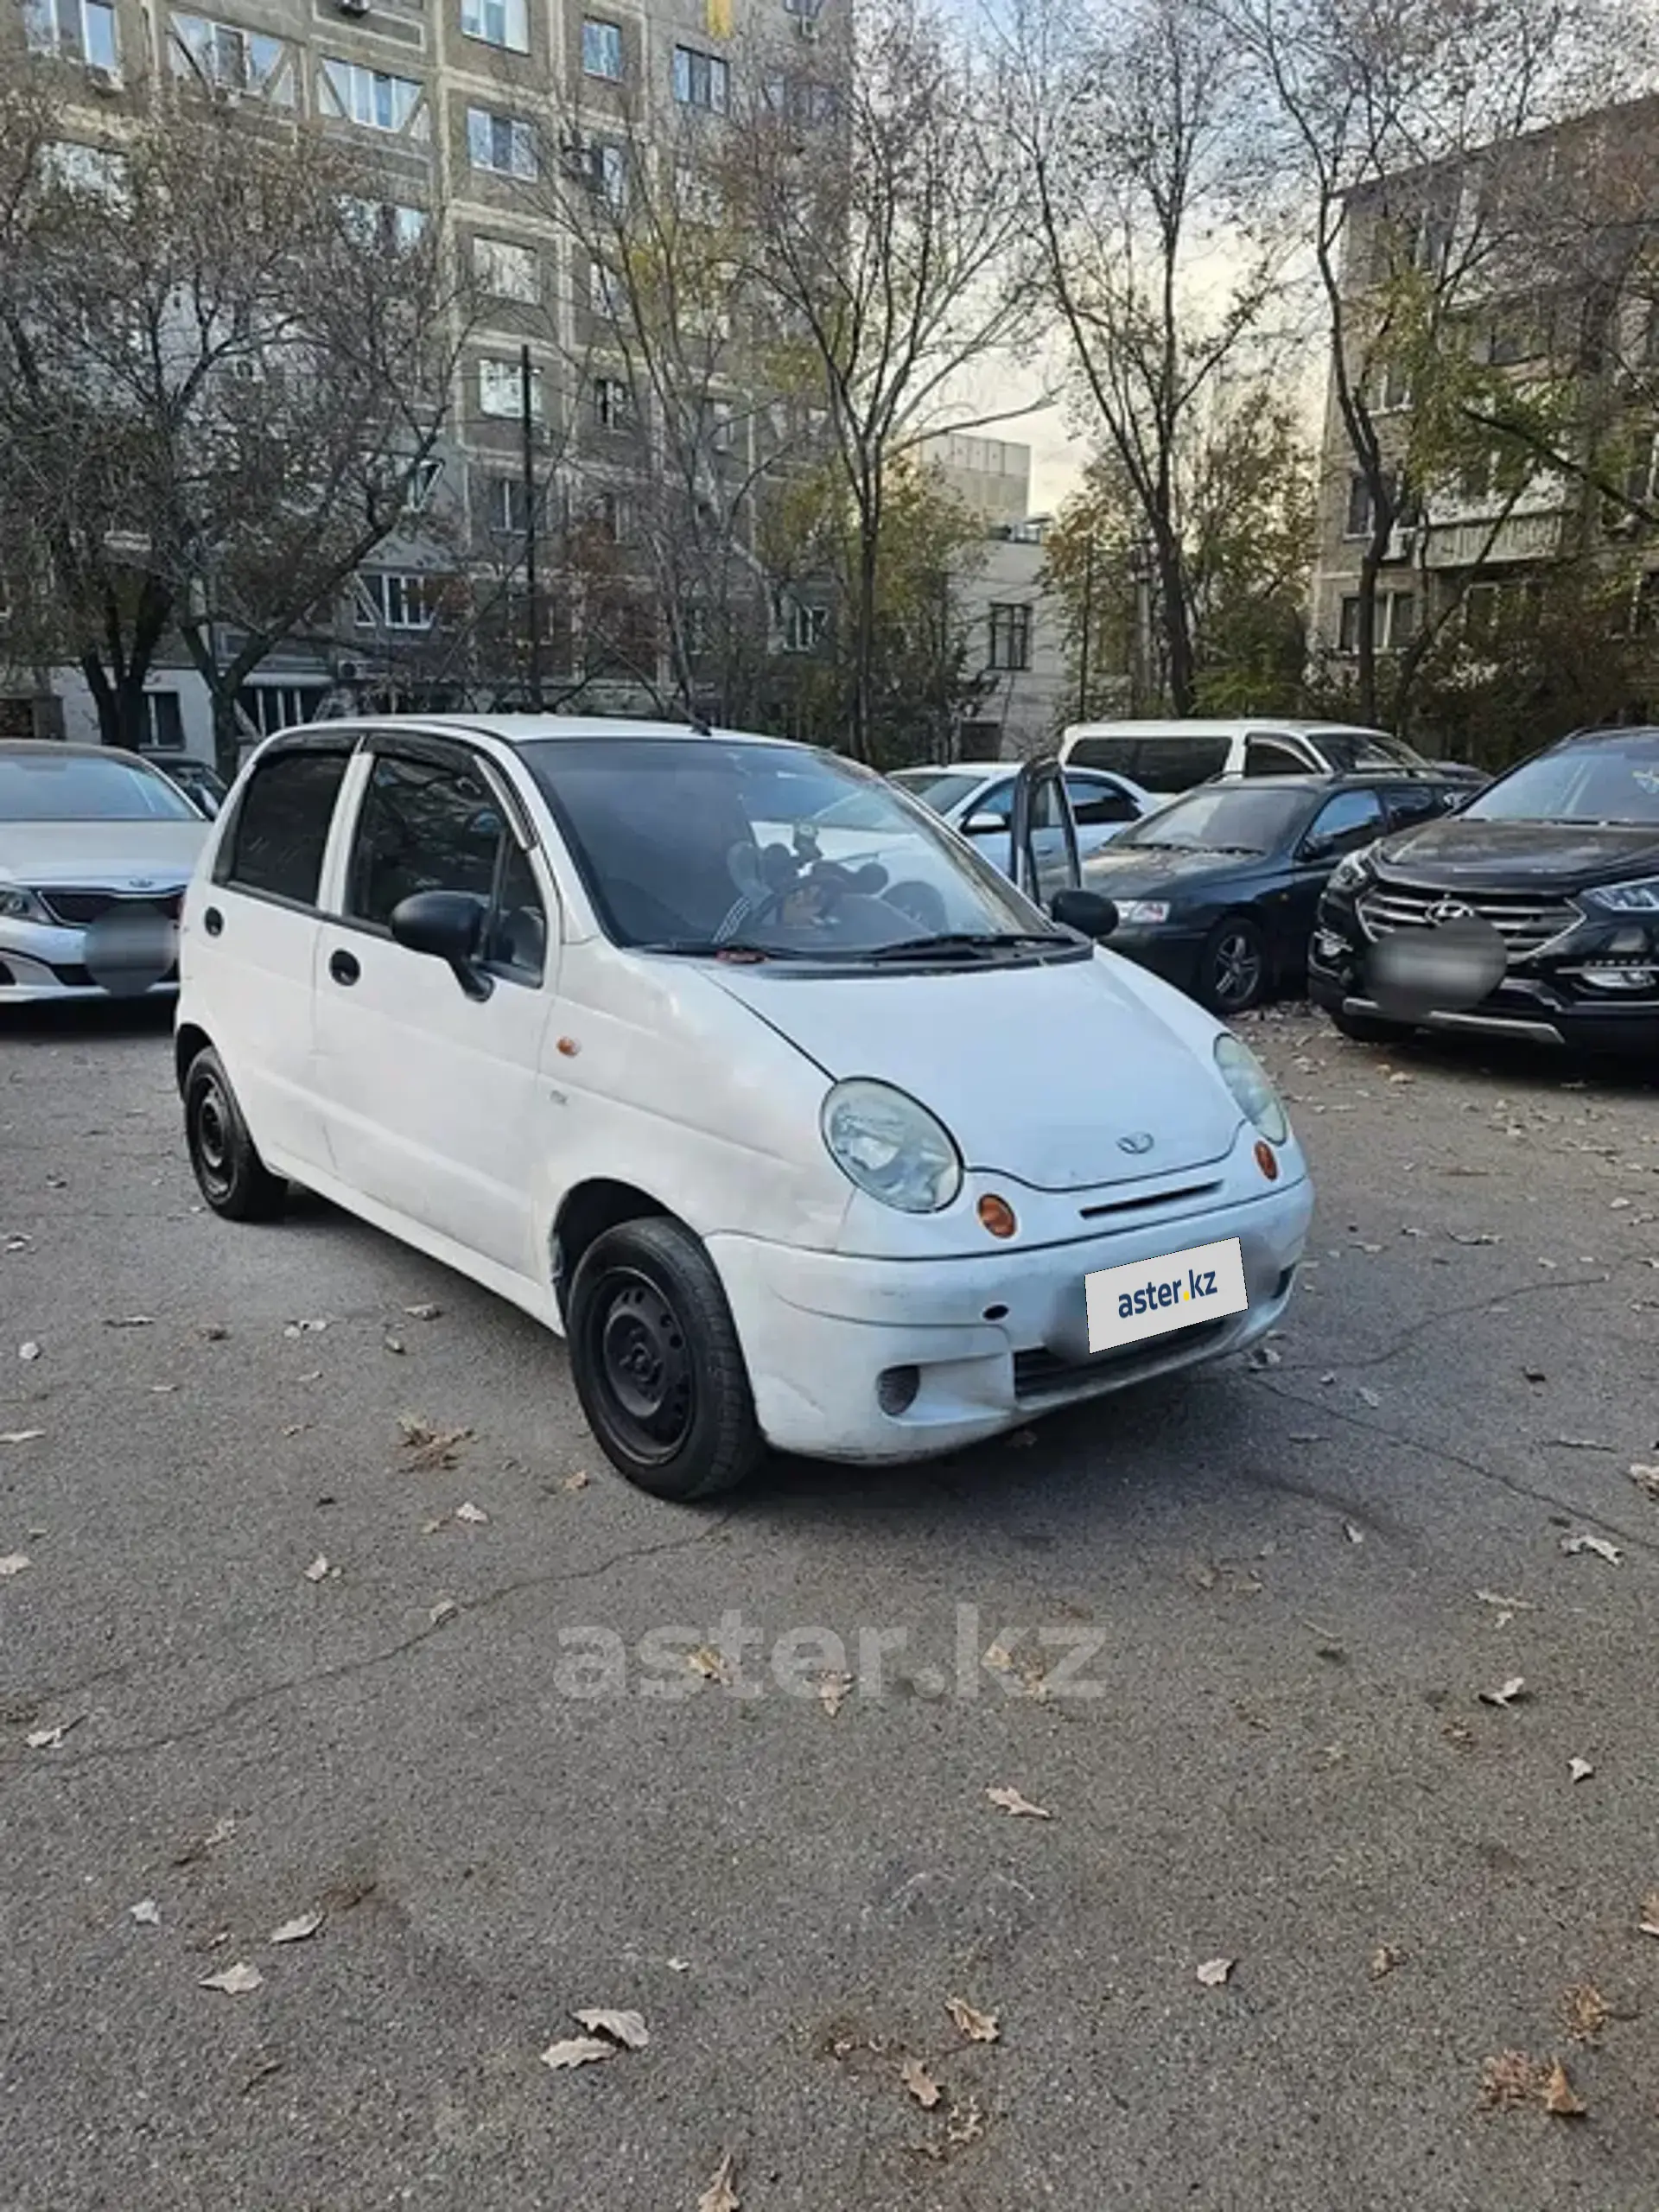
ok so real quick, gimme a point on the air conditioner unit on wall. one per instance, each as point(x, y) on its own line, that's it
point(353, 7)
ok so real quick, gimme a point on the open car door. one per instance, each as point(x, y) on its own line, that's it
point(1043, 836)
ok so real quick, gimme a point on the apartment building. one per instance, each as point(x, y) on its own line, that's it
point(474, 110)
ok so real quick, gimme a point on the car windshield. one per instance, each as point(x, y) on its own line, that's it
point(1611, 780)
point(1250, 818)
point(699, 845)
point(1352, 751)
point(79, 787)
point(940, 788)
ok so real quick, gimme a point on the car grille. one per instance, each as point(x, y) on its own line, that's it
point(1039, 1373)
point(77, 910)
point(1525, 925)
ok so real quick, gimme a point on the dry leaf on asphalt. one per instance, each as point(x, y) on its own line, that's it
point(1507, 1606)
point(1584, 2011)
point(429, 1447)
point(1384, 1959)
point(239, 1980)
point(1603, 1547)
point(1214, 1972)
point(215, 1333)
point(29, 1435)
point(978, 2027)
point(1509, 2079)
point(424, 1312)
point(721, 2196)
point(707, 1662)
point(1368, 1397)
point(580, 1480)
point(130, 1321)
point(48, 1739)
point(1649, 1923)
point(1354, 1533)
point(920, 2083)
point(30, 1350)
point(1559, 2094)
point(1506, 1694)
point(445, 1609)
point(1644, 1478)
point(12, 1563)
point(146, 1912)
point(474, 1514)
point(317, 1570)
point(628, 2029)
point(296, 1931)
point(966, 2123)
point(305, 1328)
point(578, 2051)
point(1011, 1802)
point(393, 1344)
point(1580, 1769)
point(832, 1692)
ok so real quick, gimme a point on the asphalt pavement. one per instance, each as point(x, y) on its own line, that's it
point(329, 1607)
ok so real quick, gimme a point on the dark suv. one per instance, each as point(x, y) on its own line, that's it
point(1556, 864)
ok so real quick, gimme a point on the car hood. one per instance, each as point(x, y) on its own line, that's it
point(1461, 854)
point(101, 855)
point(1135, 872)
point(1037, 1071)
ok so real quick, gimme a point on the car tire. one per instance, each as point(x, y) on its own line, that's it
point(1369, 1028)
point(656, 1363)
point(1233, 967)
point(229, 1172)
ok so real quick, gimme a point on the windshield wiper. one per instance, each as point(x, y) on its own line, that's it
point(738, 948)
point(951, 941)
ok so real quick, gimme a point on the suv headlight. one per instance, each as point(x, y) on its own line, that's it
point(1641, 898)
point(1252, 1086)
point(1353, 869)
point(889, 1145)
point(17, 904)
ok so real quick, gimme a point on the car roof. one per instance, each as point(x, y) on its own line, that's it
point(1253, 725)
point(1363, 779)
point(527, 729)
point(29, 747)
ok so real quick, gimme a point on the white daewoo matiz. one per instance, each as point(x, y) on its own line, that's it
point(836, 1141)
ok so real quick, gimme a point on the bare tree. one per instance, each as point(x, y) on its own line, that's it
point(1158, 244)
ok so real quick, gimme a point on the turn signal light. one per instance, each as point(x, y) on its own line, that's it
point(1267, 1160)
point(997, 1215)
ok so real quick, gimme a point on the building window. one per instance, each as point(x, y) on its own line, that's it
point(601, 48)
point(601, 165)
point(233, 61)
point(804, 627)
point(501, 391)
point(804, 100)
point(722, 425)
point(75, 30)
point(1396, 621)
point(701, 80)
point(609, 516)
point(420, 483)
point(163, 726)
point(271, 706)
point(1481, 607)
point(506, 508)
point(501, 142)
point(372, 98)
point(1356, 523)
point(381, 224)
point(1395, 386)
point(698, 197)
point(498, 22)
point(611, 403)
point(605, 295)
point(1641, 476)
point(1010, 636)
point(392, 599)
point(506, 271)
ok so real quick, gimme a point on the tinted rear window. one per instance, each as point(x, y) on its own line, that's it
point(275, 843)
point(1175, 764)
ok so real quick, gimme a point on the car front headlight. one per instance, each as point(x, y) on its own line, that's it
point(887, 1144)
point(1642, 897)
point(17, 904)
point(1252, 1086)
point(1353, 869)
point(1143, 910)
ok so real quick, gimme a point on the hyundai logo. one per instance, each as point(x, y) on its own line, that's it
point(1451, 910)
point(1138, 1141)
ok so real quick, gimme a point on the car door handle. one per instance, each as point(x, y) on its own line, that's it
point(212, 921)
point(342, 966)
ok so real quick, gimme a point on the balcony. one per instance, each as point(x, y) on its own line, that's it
point(1519, 539)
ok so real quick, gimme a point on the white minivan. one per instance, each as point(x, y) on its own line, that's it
point(866, 1155)
point(1172, 757)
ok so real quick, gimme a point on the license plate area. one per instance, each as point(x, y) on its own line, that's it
point(1153, 1298)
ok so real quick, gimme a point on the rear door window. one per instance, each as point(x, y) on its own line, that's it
point(1094, 801)
point(1346, 822)
point(276, 844)
point(1175, 764)
point(1273, 756)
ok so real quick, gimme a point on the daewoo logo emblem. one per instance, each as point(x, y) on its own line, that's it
point(1138, 1141)
point(1451, 910)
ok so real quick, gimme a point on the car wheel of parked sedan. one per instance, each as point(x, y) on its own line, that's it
point(656, 1363)
point(1233, 966)
point(1369, 1028)
point(230, 1173)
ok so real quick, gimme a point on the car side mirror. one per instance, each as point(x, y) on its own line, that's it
point(1320, 849)
point(449, 925)
point(1087, 911)
point(983, 825)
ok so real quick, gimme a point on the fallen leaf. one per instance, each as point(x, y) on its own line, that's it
point(1265, 1355)
point(1214, 1972)
point(1479, 1236)
point(1645, 1478)
point(978, 2027)
point(305, 1328)
point(679, 1966)
point(721, 2196)
point(580, 1480)
point(429, 1447)
point(1649, 1923)
point(920, 2083)
point(130, 1321)
point(30, 1350)
point(966, 2123)
point(1384, 1959)
point(1601, 1545)
point(1508, 1694)
point(445, 1609)
point(425, 1312)
point(708, 1664)
point(1580, 1769)
point(146, 1912)
point(628, 2029)
point(1354, 1533)
point(215, 1333)
point(1368, 1397)
point(164, 1389)
point(317, 1570)
point(832, 1692)
point(48, 1739)
point(29, 1435)
point(239, 1980)
point(12, 1563)
point(394, 1344)
point(1584, 2011)
point(21, 1244)
point(474, 1514)
point(1010, 1801)
point(1581, 1444)
point(1506, 1605)
point(1533, 1374)
point(1559, 2096)
point(578, 2051)
point(296, 1931)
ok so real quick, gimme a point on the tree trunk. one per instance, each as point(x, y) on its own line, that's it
point(863, 715)
point(1365, 634)
point(1175, 622)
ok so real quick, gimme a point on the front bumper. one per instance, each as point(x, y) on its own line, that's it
point(996, 1337)
point(1171, 953)
point(40, 964)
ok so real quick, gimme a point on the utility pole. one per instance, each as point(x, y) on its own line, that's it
point(527, 442)
point(1088, 624)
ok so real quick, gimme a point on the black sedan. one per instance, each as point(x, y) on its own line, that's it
point(1534, 914)
point(1217, 892)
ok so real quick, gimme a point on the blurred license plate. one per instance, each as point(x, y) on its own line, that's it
point(1148, 1298)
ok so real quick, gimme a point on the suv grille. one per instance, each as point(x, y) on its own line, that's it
point(1526, 925)
point(77, 910)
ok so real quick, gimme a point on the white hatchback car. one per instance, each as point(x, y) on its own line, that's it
point(862, 1159)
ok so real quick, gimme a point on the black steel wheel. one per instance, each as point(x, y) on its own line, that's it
point(656, 1362)
point(229, 1172)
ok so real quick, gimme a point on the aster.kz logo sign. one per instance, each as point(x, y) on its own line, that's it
point(1148, 1298)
